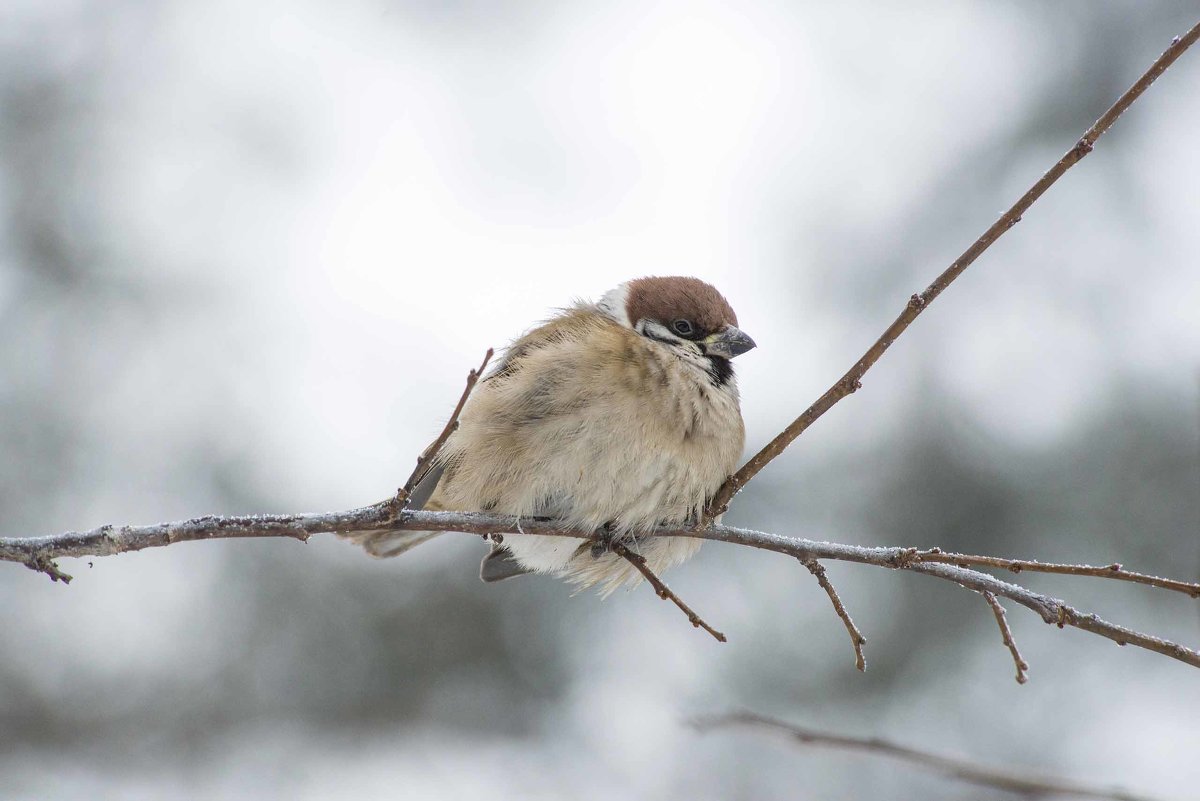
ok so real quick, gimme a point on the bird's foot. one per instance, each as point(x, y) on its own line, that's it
point(603, 541)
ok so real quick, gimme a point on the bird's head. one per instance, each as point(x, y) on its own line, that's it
point(682, 313)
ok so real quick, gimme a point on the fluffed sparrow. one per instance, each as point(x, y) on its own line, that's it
point(618, 415)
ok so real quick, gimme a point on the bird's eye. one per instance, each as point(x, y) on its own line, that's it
point(684, 328)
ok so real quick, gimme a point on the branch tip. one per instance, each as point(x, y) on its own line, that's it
point(662, 590)
point(857, 640)
point(1007, 637)
point(44, 564)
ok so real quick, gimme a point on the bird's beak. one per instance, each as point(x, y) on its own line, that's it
point(727, 343)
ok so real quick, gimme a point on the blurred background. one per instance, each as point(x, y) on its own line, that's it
point(249, 251)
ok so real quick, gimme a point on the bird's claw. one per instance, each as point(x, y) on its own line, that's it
point(603, 541)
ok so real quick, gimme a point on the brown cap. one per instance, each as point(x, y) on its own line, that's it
point(678, 297)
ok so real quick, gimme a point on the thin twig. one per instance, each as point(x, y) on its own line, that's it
point(1113, 571)
point(1014, 780)
point(1007, 637)
point(852, 380)
point(111, 540)
point(663, 591)
point(43, 564)
point(856, 637)
point(400, 501)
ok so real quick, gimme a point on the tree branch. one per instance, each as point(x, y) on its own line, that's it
point(856, 637)
point(1007, 637)
point(1000, 778)
point(663, 591)
point(400, 501)
point(39, 552)
point(1113, 571)
point(852, 380)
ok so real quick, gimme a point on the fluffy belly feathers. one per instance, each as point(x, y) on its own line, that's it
point(626, 460)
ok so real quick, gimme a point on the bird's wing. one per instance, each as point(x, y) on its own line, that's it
point(386, 543)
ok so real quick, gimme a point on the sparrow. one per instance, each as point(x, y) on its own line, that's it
point(615, 417)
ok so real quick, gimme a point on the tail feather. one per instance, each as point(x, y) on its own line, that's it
point(386, 543)
point(500, 564)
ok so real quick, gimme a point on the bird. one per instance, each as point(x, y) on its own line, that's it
point(614, 417)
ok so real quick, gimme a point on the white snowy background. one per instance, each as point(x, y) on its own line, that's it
point(248, 252)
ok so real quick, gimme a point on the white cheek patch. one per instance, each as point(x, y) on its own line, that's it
point(657, 331)
point(663, 335)
point(613, 304)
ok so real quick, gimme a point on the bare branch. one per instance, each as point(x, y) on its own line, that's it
point(111, 540)
point(1018, 781)
point(663, 591)
point(856, 637)
point(852, 380)
point(46, 565)
point(1113, 571)
point(1006, 636)
point(400, 501)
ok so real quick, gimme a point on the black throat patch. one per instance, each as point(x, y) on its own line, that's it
point(720, 370)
